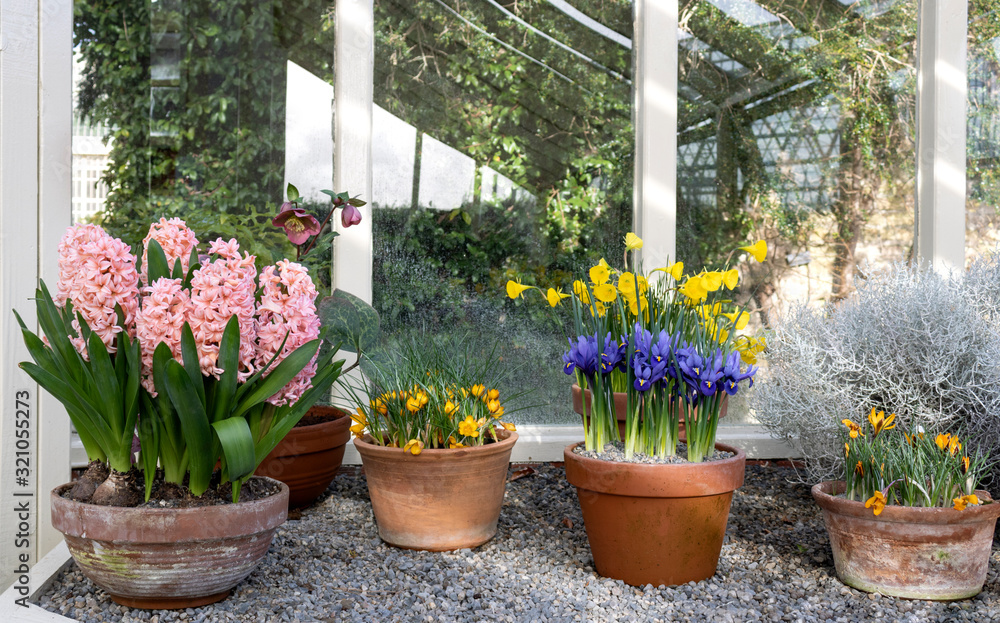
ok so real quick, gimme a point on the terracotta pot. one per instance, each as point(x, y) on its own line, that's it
point(308, 457)
point(168, 558)
point(655, 524)
point(916, 553)
point(439, 500)
point(621, 402)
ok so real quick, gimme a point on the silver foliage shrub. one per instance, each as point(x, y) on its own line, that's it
point(914, 343)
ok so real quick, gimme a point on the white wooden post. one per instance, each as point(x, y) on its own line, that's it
point(352, 151)
point(55, 214)
point(942, 86)
point(655, 194)
point(19, 503)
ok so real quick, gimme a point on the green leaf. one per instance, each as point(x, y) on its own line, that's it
point(194, 426)
point(156, 261)
point(237, 446)
point(189, 352)
point(292, 193)
point(349, 320)
point(149, 441)
point(229, 357)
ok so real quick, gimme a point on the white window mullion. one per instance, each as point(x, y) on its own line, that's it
point(655, 115)
point(941, 133)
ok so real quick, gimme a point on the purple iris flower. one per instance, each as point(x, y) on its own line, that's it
point(613, 355)
point(583, 355)
point(732, 376)
point(701, 373)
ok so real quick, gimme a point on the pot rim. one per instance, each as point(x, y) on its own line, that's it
point(657, 479)
point(339, 411)
point(101, 522)
point(825, 493)
point(507, 439)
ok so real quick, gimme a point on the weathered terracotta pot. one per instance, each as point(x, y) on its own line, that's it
point(621, 406)
point(655, 524)
point(168, 558)
point(916, 553)
point(439, 500)
point(308, 457)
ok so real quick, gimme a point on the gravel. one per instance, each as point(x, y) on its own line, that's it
point(329, 565)
point(615, 451)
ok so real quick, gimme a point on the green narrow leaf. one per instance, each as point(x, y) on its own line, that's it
point(85, 416)
point(229, 357)
point(156, 261)
point(279, 377)
point(194, 426)
point(189, 352)
point(149, 442)
point(109, 393)
point(237, 446)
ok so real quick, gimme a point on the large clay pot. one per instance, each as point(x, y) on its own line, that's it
point(621, 408)
point(168, 558)
point(438, 500)
point(308, 457)
point(655, 524)
point(916, 553)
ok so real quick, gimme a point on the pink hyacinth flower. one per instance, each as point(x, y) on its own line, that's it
point(299, 225)
point(176, 239)
point(165, 308)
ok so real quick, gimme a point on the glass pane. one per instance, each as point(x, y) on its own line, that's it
point(502, 148)
point(983, 165)
point(796, 125)
point(208, 110)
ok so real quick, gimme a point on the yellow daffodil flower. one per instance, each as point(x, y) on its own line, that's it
point(676, 270)
point(694, 289)
point(731, 278)
point(626, 284)
point(632, 242)
point(516, 289)
point(758, 250)
point(581, 292)
point(600, 274)
point(880, 422)
point(554, 297)
point(643, 284)
point(468, 427)
point(739, 319)
point(600, 308)
point(605, 293)
point(414, 446)
point(712, 280)
point(876, 502)
point(965, 500)
point(508, 426)
point(853, 429)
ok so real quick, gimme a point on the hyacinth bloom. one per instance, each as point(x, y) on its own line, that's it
point(221, 289)
point(96, 273)
point(287, 308)
point(176, 239)
point(165, 308)
point(299, 225)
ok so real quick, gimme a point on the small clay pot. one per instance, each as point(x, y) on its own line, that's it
point(915, 553)
point(655, 523)
point(308, 457)
point(621, 408)
point(168, 558)
point(439, 500)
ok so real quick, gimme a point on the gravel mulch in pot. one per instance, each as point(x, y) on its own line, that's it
point(329, 565)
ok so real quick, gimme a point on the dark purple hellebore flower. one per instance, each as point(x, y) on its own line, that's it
point(350, 215)
point(298, 223)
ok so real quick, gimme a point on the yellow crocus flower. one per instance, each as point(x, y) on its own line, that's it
point(965, 500)
point(554, 297)
point(478, 389)
point(509, 426)
point(758, 250)
point(450, 408)
point(493, 394)
point(414, 446)
point(468, 427)
point(880, 422)
point(876, 502)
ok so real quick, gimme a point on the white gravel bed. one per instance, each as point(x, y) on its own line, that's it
point(329, 565)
